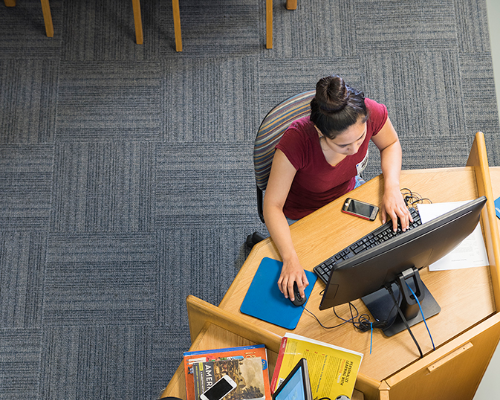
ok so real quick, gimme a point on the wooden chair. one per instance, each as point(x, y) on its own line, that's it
point(49, 27)
point(47, 17)
point(177, 23)
point(290, 5)
point(139, 38)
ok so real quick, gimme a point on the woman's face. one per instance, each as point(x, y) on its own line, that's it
point(349, 141)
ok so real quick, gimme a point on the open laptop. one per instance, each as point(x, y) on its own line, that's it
point(297, 385)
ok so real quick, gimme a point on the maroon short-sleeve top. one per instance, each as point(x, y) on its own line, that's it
point(316, 182)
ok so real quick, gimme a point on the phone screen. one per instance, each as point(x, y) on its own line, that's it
point(219, 390)
point(360, 208)
point(357, 207)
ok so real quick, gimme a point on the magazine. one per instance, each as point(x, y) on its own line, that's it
point(332, 369)
point(246, 365)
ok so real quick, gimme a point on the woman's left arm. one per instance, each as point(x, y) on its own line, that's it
point(394, 206)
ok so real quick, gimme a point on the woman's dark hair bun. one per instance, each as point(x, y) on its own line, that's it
point(336, 106)
point(332, 94)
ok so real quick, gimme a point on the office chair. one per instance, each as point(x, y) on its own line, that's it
point(269, 134)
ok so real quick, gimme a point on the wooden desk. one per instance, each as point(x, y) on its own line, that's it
point(464, 295)
point(466, 331)
point(214, 328)
point(469, 298)
point(212, 337)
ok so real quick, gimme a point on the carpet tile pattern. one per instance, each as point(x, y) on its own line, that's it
point(28, 103)
point(126, 171)
point(101, 279)
point(109, 101)
point(22, 265)
point(26, 186)
point(20, 354)
point(103, 187)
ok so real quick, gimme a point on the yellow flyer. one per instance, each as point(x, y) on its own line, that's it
point(332, 369)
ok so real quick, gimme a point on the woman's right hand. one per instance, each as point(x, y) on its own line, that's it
point(292, 272)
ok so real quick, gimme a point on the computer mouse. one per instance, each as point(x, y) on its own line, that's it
point(298, 299)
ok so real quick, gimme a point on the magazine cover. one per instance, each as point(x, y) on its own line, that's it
point(332, 369)
point(246, 365)
point(246, 372)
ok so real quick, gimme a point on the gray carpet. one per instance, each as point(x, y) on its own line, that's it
point(126, 177)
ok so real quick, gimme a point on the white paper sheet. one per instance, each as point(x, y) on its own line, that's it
point(470, 253)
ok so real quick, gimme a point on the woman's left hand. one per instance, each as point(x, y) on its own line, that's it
point(394, 207)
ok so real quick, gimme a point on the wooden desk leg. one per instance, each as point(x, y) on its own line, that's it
point(47, 17)
point(177, 25)
point(291, 4)
point(139, 38)
point(9, 3)
point(269, 24)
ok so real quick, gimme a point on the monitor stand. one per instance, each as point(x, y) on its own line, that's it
point(381, 303)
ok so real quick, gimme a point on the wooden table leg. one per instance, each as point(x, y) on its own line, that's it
point(291, 4)
point(47, 17)
point(177, 25)
point(269, 24)
point(136, 4)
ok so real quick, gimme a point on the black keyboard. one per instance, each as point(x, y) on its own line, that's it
point(375, 237)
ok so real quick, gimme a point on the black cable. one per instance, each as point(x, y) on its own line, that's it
point(336, 326)
point(351, 306)
point(362, 323)
point(389, 289)
point(365, 325)
point(412, 199)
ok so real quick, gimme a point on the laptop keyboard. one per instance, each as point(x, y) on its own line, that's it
point(377, 236)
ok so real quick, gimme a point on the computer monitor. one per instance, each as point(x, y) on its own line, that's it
point(395, 263)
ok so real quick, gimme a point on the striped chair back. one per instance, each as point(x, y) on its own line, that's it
point(271, 130)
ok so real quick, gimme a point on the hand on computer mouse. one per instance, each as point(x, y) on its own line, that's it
point(292, 272)
point(298, 299)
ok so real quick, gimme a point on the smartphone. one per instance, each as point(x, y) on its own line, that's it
point(360, 209)
point(219, 389)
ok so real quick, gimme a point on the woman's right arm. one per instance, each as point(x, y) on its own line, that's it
point(278, 186)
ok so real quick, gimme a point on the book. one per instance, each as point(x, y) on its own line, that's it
point(332, 369)
point(246, 365)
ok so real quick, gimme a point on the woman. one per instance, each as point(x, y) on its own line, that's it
point(319, 158)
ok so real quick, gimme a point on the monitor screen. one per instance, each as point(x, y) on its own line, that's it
point(379, 266)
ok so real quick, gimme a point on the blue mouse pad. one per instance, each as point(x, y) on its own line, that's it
point(265, 301)
point(497, 207)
